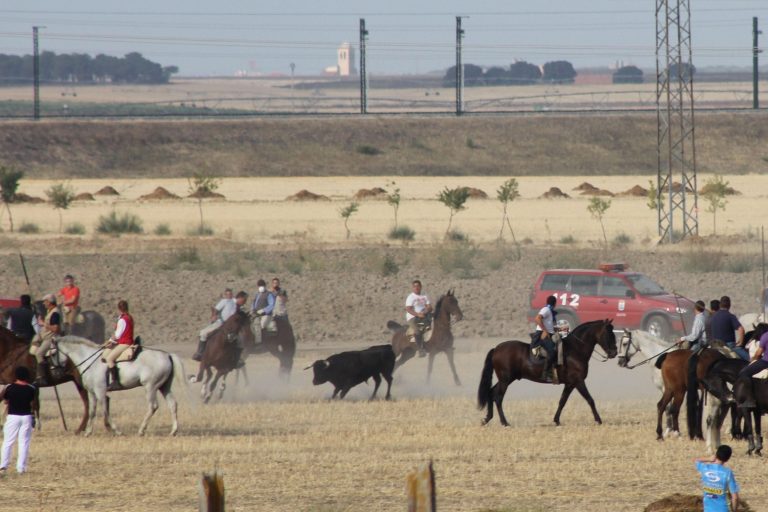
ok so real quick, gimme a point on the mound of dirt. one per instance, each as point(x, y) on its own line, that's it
point(554, 193)
point(205, 194)
point(729, 191)
point(586, 186)
point(636, 191)
point(159, 193)
point(684, 503)
point(476, 193)
point(25, 198)
point(597, 192)
point(84, 196)
point(107, 191)
point(306, 195)
point(678, 187)
point(370, 193)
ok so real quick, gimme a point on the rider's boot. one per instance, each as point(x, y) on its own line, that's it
point(239, 362)
point(420, 344)
point(198, 356)
point(42, 374)
point(113, 377)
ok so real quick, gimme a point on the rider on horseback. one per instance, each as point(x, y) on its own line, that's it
point(698, 335)
point(225, 308)
point(262, 306)
point(45, 339)
point(418, 314)
point(20, 320)
point(545, 329)
point(758, 364)
point(119, 342)
point(69, 298)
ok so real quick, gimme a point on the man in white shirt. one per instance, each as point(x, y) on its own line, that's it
point(545, 329)
point(225, 308)
point(698, 335)
point(418, 312)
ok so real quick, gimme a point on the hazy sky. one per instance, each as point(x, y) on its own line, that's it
point(219, 38)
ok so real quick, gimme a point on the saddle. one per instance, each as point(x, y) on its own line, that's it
point(129, 354)
point(539, 353)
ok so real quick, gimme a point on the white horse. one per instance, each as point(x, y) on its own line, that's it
point(648, 346)
point(153, 369)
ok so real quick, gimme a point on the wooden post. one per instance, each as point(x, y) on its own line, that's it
point(420, 487)
point(211, 493)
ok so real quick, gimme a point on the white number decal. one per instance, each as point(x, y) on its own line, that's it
point(573, 302)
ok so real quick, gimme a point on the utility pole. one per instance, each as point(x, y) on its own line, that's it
point(459, 68)
point(755, 73)
point(363, 69)
point(36, 72)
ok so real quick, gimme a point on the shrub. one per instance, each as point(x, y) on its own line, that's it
point(115, 224)
point(365, 149)
point(29, 228)
point(201, 230)
point(74, 229)
point(389, 266)
point(294, 266)
point(701, 260)
point(471, 144)
point(403, 233)
point(622, 239)
point(458, 259)
point(740, 263)
point(456, 236)
point(567, 239)
point(162, 229)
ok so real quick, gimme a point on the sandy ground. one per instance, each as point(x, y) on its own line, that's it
point(265, 95)
point(256, 210)
point(284, 447)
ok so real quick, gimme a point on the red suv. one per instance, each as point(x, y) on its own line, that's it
point(632, 299)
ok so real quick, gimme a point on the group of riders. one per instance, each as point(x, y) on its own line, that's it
point(267, 308)
point(58, 316)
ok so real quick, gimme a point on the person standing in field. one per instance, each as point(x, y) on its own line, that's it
point(69, 298)
point(717, 480)
point(19, 397)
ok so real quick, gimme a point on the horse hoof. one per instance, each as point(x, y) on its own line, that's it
point(193, 379)
point(484, 421)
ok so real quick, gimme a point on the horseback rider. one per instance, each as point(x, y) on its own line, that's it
point(698, 335)
point(262, 306)
point(725, 327)
point(240, 299)
point(714, 307)
point(46, 337)
point(545, 329)
point(119, 343)
point(20, 320)
point(418, 315)
point(225, 308)
point(758, 364)
point(281, 306)
point(69, 298)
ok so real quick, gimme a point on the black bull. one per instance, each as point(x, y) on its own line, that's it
point(348, 369)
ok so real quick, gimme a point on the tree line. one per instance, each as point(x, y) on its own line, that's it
point(518, 73)
point(133, 68)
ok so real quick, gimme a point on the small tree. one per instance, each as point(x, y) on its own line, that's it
point(716, 188)
point(9, 184)
point(507, 193)
point(597, 207)
point(61, 195)
point(346, 213)
point(653, 196)
point(393, 198)
point(454, 199)
point(201, 185)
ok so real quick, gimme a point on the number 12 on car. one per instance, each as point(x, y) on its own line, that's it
point(569, 299)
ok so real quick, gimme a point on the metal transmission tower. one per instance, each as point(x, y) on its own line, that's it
point(363, 69)
point(755, 70)
point(36, 72)
point(459, 68)
point(675, 202)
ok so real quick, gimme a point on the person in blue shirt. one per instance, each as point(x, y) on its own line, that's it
point(726, 327)
point(716, 480)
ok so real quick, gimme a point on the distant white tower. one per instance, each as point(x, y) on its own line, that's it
point(346, 60)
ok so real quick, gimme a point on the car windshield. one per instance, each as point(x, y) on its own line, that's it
point(645, 285)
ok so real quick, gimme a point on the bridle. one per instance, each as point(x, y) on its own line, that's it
point(630, 343)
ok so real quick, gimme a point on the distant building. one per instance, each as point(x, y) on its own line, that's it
point(345, 62)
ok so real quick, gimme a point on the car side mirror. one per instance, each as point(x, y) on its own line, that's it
point(630, 294)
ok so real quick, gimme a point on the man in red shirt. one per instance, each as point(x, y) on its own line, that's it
point(69, 299)
point(119, 342)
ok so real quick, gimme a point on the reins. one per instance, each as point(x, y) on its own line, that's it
point(652, 357)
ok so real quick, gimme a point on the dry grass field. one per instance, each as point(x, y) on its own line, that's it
point(285, 447)
point(540, 145)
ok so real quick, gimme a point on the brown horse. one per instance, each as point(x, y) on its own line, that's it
point(441, 340)
point(14, 352)
point(511, 360)
point(675, 373)
point(221, 353)
point(281, 344)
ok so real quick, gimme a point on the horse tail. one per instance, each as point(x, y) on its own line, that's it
point(486, 379)
point(660, 360)
point(177, 373)
point(692, 396)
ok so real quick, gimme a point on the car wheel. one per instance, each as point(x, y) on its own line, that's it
point(570, 318)
point(658, 326)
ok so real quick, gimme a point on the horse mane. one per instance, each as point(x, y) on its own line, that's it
point(438, 305)
point(580, 329)
point(77, 340)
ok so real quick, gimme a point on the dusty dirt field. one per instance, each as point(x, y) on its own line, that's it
point(284, 446)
